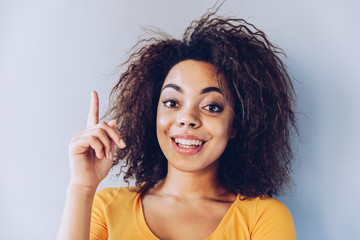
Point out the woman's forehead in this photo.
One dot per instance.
(194, 75)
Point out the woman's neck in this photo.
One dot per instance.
(190, 185)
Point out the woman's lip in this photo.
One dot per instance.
(187, 151)
(188, 137)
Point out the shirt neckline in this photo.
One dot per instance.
(151, 236)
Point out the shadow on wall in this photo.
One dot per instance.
(308, 222)
(324, 200)
(302, 199)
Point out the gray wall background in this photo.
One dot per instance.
(53, 53)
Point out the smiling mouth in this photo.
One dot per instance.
(186, 143)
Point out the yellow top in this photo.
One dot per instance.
(118, 214)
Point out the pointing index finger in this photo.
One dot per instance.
(93, 117)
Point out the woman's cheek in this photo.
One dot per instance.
(161, 119)
(162, 122)
(220, 129)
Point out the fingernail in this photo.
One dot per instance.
(111, 155)
(122, 143)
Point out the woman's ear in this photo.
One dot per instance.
(233, 133)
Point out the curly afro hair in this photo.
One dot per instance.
(257, 162)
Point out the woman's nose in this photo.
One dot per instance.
(188, 117)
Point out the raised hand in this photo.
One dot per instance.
(91, 151)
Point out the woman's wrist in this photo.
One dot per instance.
(83, 190)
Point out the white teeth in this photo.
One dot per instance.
(186, 143)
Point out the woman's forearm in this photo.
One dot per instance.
(75, 223)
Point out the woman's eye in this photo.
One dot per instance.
(170, 103)
(213, 108)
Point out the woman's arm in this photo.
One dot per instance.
(75, 223)
(91, 157)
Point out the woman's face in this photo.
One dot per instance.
(194, 118)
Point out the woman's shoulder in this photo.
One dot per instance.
(261, 204)
(115, 212)
(118, 195)
(266, 214)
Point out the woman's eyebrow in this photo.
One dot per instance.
(211, 89)
(203, 91)
(174, 86)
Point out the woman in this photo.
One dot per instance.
(207, 123)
